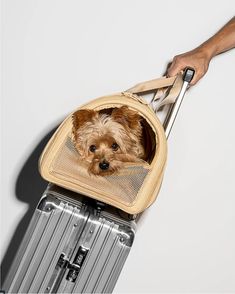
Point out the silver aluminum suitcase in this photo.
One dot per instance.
(72, 245)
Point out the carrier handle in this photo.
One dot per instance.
(149, 86)
(166, 90)
(169, 96)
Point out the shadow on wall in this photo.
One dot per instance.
(29, 189)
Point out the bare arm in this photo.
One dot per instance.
(200, 57)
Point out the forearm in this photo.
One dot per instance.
(222, 41)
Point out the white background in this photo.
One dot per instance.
(60, 54)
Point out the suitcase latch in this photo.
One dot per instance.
(75, 267)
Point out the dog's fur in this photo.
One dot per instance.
(106, 141)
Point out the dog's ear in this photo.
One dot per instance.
(127, 117)
(80, 117)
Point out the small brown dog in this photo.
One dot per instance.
(106, 141)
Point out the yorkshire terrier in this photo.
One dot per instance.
(107, 140)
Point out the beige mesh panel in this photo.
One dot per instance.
(123, 186)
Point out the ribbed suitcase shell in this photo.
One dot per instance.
(70, 247)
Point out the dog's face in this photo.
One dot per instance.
(106, 141)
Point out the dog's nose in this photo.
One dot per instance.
(104, 165)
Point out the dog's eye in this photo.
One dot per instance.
(92, 148)
(115, 146)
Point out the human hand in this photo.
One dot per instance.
(198, 59)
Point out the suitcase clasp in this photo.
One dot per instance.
(75, 267)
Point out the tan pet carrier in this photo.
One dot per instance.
(136, 185)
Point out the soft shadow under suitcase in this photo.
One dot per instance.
(75, 244)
